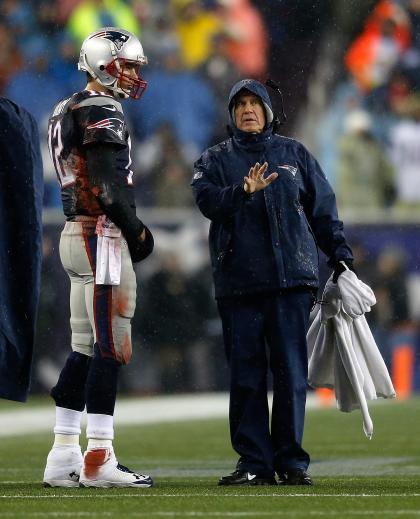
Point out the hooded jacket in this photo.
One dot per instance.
(267, 241)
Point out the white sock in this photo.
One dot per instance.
(67, 421)
(100, 427)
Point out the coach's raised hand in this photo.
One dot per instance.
(255, 180)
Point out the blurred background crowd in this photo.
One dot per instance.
(350, 74)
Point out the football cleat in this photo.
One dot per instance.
(241, 477)
(295, 477)
(63, 466)
(101, 469)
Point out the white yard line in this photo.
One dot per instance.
(277, 513)
(146, 494)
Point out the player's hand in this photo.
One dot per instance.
(255, 180)
(140, 248)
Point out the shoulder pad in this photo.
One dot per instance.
(62, 107)
(98, 99)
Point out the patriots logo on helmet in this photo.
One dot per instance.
(118, 38)
(112, 124)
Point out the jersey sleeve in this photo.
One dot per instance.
(102, 122)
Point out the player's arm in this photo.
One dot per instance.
(109, 190)
(102, 124)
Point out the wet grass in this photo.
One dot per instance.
(354, 477)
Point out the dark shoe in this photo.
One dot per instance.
(295, 477)
(241, 477)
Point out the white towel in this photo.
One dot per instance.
(343, 356)
(108, 252)
(357, 297)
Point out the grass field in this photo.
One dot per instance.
(354, 477)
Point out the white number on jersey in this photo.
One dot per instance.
(55, 145)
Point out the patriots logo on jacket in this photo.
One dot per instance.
(292, 169)
(116, 37)
(112, 124)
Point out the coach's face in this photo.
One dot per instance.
(249, 113)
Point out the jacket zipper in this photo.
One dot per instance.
(271, 208)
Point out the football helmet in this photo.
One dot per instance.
(107, 53)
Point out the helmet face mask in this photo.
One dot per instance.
(132, 87)
(110, 55)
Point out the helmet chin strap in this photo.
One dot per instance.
(117, 91)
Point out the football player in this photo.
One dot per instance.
(102, 238)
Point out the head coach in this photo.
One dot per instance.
(270, 207)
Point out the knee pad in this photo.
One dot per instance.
(121, 322)
(122, 348)
(121, 328)
(81, 336)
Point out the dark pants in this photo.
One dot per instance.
(280, 322)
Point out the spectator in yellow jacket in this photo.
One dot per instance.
(90, 15)
(196, 29)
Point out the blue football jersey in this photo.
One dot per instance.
(86, 118)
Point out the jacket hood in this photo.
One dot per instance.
(257, 88)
